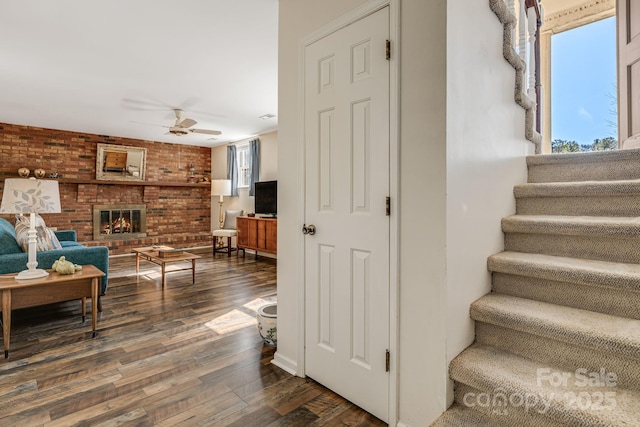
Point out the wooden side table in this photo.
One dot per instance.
(53, 288)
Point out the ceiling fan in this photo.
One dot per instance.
(183, 126)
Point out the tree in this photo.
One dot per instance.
(564, 146)
(608, 143)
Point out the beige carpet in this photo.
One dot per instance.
(558, 338)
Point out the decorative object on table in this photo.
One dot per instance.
(63, 266)
(169, 252)
(23, 172)
(39, 173)
(30, 196)
(54, 175)
(221, 188)
(267, 318)
(251, 214)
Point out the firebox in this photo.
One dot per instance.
(119, 221)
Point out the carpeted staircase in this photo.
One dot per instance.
(558, 338)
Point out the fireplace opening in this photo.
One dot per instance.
(119, 221)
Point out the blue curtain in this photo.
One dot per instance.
(232, 169)
(254, 154)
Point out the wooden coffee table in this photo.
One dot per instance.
(151, 254)
(50, 289)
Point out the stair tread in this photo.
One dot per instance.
(626, 227)
(583, 157)
(460, 415)
(578, 189)
(492, 371)
(575, 326)
(575, 270)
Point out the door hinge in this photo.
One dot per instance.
(388, 206)
(387, 361)
(388, 50)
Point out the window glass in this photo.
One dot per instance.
(244, 166)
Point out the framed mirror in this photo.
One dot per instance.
(120, 163)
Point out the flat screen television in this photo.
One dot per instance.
(266, 197)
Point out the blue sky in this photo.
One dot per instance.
(583, 75)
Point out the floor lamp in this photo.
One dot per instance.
(30, 196)
(221, 188)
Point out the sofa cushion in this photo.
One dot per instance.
(8, 243)
(46, 239)
(69, 244)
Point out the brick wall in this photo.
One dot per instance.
(178, 216)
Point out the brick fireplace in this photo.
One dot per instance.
(178, 213)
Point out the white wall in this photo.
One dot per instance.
(423, 371)
(461, 151)
(485, 158)
(268, 172)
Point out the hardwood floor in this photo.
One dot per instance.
(188, 355)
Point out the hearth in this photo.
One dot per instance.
(119, 222)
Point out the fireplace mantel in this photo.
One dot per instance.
(104, 182)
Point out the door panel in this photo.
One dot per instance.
(628, 17)
(346, 185)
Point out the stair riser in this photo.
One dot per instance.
(562, 273)
(591, 171)
(550, 403)
(608, 300)
(619, 206)
(570, 357)
(603, 248)
(503, 414)
(459, 415)
(559, 325)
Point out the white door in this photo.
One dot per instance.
(628, 16)
(346, 121)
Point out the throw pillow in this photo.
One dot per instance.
(46, 239)
(230, 219)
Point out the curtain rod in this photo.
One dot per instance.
(249, 139)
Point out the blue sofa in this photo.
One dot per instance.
(13, 260)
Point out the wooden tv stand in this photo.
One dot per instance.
(257, 234)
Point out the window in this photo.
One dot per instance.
(243, 157)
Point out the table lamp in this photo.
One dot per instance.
(30, 196)
(221, 187)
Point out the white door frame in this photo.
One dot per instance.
(394, 190)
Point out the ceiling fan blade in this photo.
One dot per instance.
(206, 131)
(186, 123)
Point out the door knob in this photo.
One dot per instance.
(309, 229)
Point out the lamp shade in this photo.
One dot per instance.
(221, 187)
(30, 196)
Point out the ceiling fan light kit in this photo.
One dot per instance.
(182, 126)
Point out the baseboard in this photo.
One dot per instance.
(285, 364)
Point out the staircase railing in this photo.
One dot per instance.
(522, 20)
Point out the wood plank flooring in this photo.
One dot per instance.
(188, 355)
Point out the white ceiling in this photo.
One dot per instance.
(119, 67)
